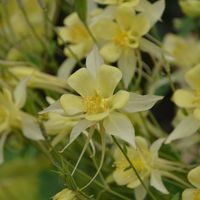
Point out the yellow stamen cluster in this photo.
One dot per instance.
(126, 39)
(136, 159)
(95, 104)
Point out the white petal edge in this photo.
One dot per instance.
(94, 61)
(184, 129)
(119, 125)
(138, 103)
(156, 181)
(54, 107)
(66, 68)
(77, 130)
(127, 64)
(20, 93)
(30, 127)
(156, 146)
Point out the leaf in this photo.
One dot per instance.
(176, 196)
(119, 125)
(81, 9)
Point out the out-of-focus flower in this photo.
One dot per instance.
(65, 194)
(97, 102)
(37, 79)
(189, 99)
(12, 117)
(130, 3)
(125, 31)
(59, 126)
(146, 161)
(20, 37)
(182, 51)
(76, 36)
(190, 7)
(194, 179)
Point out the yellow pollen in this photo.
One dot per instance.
(95, 104)
(127, 38)
(121, 38)
(197, 195)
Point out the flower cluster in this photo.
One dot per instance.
(106, 93)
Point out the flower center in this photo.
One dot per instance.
(95, 104)
(136, 159)
(127, 39)
(197, 195)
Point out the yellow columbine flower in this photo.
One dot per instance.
(97, 102)
(189, 99)
(76, 35)
(21, 34)
(190, 7)
(119, 2)
(194, 179)
(146, 161)
(124, 34)
(182, 51)
(12, 117)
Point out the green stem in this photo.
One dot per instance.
(134, 169)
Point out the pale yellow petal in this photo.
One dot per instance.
(82, 82)
(72, 104)
(125, 17)
(192, 77)
(96, 117)
(140, 25)
(111, 52)
(119, 100)
(189, 194)
(108, 78)
(72, 19)
(122, 177)
(80, 49)
(194, 177)
(184, 98)
(141, 143)
(111, 29)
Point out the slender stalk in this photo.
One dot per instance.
(21, 6)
